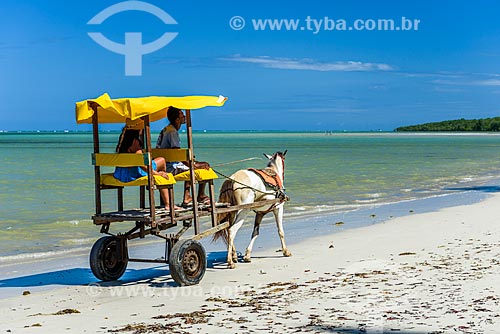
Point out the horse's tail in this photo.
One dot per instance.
(226, 195)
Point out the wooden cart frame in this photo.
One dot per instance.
(186, 256)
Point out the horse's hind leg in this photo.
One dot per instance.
(255, 234)
(278, 215)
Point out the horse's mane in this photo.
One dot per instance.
(272, 160)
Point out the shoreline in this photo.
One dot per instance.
(363, 215)
(421, 272)
(469, 192)
(15, 265)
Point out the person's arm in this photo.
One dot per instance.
(171, 140)
(198, 164)
(144, 168)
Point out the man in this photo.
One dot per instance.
(169, 138)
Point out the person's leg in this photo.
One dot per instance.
(166, 199)
(187, 195)
(202, 197)
(161, 165)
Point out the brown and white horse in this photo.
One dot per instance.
(244, 187)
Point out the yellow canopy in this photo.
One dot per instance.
(118, 110)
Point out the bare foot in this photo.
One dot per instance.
(167, 206)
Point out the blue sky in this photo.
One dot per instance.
(275, 80)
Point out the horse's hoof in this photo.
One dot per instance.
(247, 259)
(231, 266)
(287, 253)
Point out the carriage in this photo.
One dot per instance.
(185, 256)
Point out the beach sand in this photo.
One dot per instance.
(436, 272)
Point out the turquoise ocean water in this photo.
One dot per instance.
(47, 195)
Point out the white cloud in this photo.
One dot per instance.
(489, 82)
(447, 90)
(449, 82)
(472, 79)
(332, 110)
(310, 64)
(446, 75)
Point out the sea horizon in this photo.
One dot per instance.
(155, 130)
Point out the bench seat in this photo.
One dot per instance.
(201, 175)
(110, 180)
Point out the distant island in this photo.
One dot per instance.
(483, 124)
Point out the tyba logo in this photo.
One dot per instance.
(133, 49)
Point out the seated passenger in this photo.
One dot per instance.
(131, 142)
(169, 138)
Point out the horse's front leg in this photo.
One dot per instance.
(232, 256)
(278, 215)
(255, 234)
(235, 254)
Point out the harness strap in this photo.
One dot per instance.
(279, 192)
(269, 177)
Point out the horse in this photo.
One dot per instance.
(248, 186)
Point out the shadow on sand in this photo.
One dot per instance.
(157, 276)
(340, 330)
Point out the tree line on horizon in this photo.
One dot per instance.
(482, 124)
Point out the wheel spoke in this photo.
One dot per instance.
(191, 263)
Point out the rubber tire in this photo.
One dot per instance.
(187, 262)
(103, 259)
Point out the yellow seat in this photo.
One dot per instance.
(110, 180)
(181, 154)
(127, 160)
(199, 174)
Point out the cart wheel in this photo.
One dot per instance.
(105, 261)
(187, 262)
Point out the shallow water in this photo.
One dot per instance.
(46, 179)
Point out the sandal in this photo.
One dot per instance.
(186, 205)
(204, 200)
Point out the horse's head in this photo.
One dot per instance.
(277, 162)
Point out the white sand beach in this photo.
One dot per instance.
(436, 272)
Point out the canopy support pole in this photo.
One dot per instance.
(151, 183)
(191, 171)
(97, 169)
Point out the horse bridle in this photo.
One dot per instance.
(282, 156)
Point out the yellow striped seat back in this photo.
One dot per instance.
(119, 159)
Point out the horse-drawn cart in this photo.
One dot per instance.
(186, 257)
